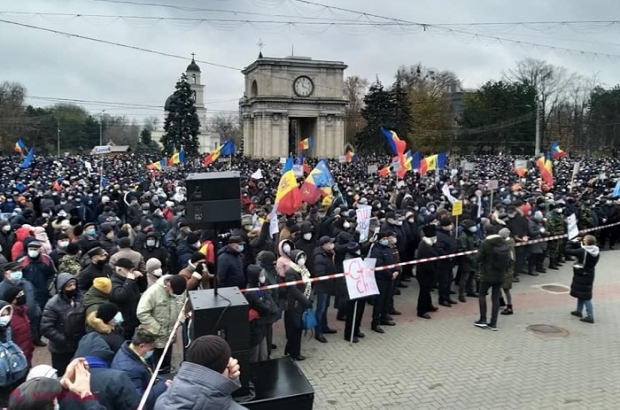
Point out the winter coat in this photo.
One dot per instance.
(485, 259)
(535, 231)
(507, 282)
(135, 257)
(97, 329)
(426, 273)
(40, 272)
(230, 268)
(17, 250)
(263, 304)
(445, 245)
(197, 387)
(158, 252)
(323, 265)
(129, 362)
(384, 256)
(296, 301)
(21, 333)
(467, 241)
(262, 242)
(92, 271)
(184, 254)
(113, 390)
(307, 246)
(7, 240)
(126, 295)
(583, 282)
(53, 319)
(158, 310)
(93, 298)
(282, 264)
(34, 310)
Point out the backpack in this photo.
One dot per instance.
(75, 322)
(501, 257)
(70, 264)
(13, 363)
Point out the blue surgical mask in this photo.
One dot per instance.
(4, 321)
(473, 229)
(384, 242)
(118, 319)
(148, 355)
(16, 276)
(240, 248)
(91, 232)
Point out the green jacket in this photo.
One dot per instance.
(158, 310)
(467, 242)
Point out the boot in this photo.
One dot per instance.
(462, 297)
(553, 264)
(507, 311)
(502, 302)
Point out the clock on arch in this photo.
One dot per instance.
(303, 86)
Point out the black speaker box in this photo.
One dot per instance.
(213, 200)
(224, 315)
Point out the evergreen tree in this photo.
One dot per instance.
(378, 112)
(182, 123)
(402, 118)
(146, 144)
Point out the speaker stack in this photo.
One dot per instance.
(213, 200)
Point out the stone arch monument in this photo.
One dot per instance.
(287, 100)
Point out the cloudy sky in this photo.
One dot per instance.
(135, 83)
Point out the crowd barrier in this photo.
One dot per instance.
(336, 276)
(417, 261)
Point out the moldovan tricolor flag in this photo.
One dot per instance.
(397, 145)
(432, 162)
(212, 157)
(305, 144)
(556, 151)
(546, 169)
(288, 196)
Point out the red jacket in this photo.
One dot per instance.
(20, 331)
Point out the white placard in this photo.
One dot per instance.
(360, 277)
(257, 175)
(573, 230)
(521, 164)
(576, 169)
(342, 159)
(372, 169)
(363, 213)
(469, 167)
(396, 165)
(454, 172)
(273, 223)
(283, 160)
(101, 149)
(88, 165)
(492, 184)
(298, 170)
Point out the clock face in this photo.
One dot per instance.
(303, 86)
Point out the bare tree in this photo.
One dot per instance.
(552, 84)
(355, 89)
(228, 126)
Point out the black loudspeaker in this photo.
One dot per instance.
(213, 200)
(225, 315)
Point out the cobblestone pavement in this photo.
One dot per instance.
(447, 363)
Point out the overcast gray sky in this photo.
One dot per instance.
(59, 66)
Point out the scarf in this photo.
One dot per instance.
(305, 275)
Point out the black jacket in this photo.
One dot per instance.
(160, 253)
(53, 319)
(322, 265)
(446, 245)
(85, 280)
(426, 272)
(583, 280)
(126, 295)
(485, 259)
(384, 256)
(296, 301)
(230, 268)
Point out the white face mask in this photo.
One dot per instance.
(307, 236)
(157, 272)
(346, 225)
(262, 279)
(6, 228)
(394, 240)
(286, 248)
(301, 261)
(33, 253)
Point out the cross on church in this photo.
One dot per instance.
(193, 55)
(260, 45)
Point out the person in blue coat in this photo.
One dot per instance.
(230, 264)
(133, 359)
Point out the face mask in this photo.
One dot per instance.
(70, 293)
(4, 321)
(346, 225)
(301, 261)
(378, 206)
(307, 236)
(33, 253)
(330, 247)
(286, 248)
(431, 210)
(6, 228)
(20, 301)
(410, 220)
(384, 242)
(473, 229)
(157, 272)
(91, 232)
(63, 244)
(150, 244)
(101, 262)
(145, 212)
(262, 279)
(321, 216)
(608, 202)
(197, 245)
(148, 355)
(394, 240)
(248, 227)
(118, 319)
(16, 276)
(240, 248)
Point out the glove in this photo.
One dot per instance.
(200, 268)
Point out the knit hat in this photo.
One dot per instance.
(211, 352)
(11, 293)
(504, 233)
(178, 284)
(430, 231)
(107, 311)
(192, 238)
(353, 247)
(103, 284)
(267, 257)
(124, 263)
(42, 370)
(152, 264)
(105, 228)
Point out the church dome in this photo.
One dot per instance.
(167, 103)
(193, 66)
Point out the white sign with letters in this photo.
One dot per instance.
(573, 230)
(360, 277)
(363, 213)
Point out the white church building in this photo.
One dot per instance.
(208, 141)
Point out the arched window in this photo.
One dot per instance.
(193, 78)
(254, 90)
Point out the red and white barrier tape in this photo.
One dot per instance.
(416, 261)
